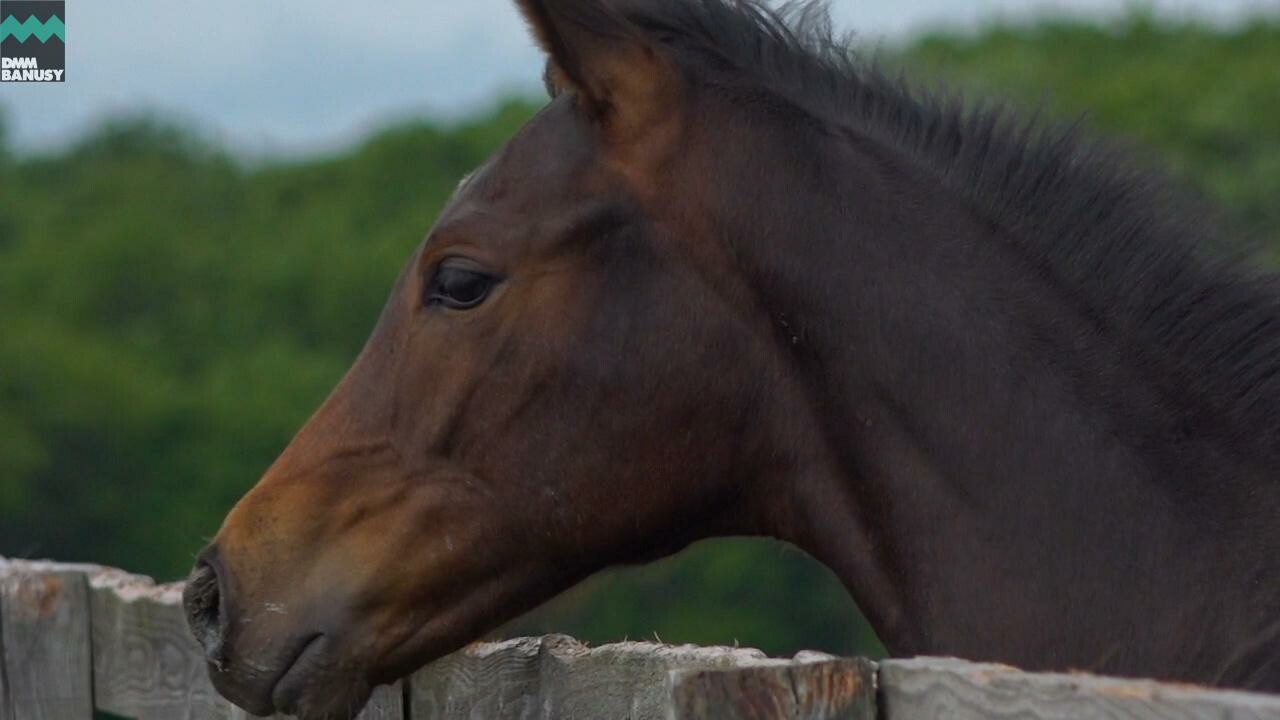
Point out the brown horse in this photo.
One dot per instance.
(732, 281)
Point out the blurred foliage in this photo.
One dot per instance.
(171, 314)
(1205, 104)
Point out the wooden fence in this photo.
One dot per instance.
(76, 639)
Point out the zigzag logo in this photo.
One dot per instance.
(41, 30)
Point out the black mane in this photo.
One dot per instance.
(1138, 252)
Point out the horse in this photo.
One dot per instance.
(1016, 391)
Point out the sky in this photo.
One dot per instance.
(296, 76)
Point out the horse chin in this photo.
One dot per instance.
(322, 697)
(314, 685)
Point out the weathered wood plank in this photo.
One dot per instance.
(120, 654)
(628, 680)
(558, 677)
(63, 626)
(44, 640)
(483, 681)
(958, 690)
(148, 666)
(6, 705)
(817, 688)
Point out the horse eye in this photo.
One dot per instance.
(459, 288)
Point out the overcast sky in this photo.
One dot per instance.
(296, 75)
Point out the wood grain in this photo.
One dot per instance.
(148, 666)
(820, 689)
(629, 679)
(387, 703)
(958, 690)
(67, 631)
(558, 677)
(6, 705)
(145, 664)
(484, 681)
(44, 637)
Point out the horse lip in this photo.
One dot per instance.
(259, 699)
(284, 697)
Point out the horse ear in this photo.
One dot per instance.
(622, 79)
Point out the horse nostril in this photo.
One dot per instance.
(202, 599)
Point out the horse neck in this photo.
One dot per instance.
(996, 479)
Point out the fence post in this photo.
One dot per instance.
(46, 670)
(927, 688)
(75, 638)
(825, 689)
(146, 665)
(558, 677)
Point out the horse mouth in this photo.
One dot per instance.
(292, 683)
(300, 684)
